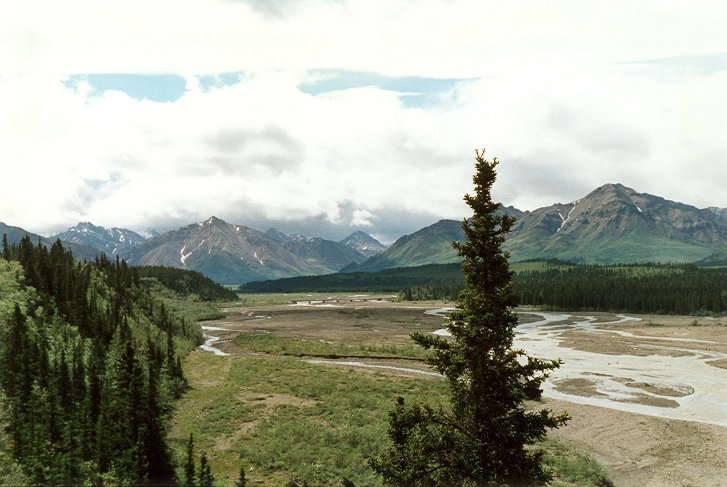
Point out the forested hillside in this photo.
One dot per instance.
(387, 280)
(186, 283)
(89, 368)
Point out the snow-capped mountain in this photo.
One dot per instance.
(335, 255)
(112, 241)
(363, 243)
(233, 254)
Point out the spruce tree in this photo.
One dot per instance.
(483, 436)
(189, 474)
(6, 248)
(241, 481)
(204, 476)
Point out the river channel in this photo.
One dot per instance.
(669, 377)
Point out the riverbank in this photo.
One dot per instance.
(645, 392)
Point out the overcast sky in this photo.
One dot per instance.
(328, 116)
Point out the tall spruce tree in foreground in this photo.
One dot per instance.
(484, 436)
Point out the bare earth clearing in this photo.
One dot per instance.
(647, 394)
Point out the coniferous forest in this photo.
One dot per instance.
(682, 289)
(89, 369)
(186, 283)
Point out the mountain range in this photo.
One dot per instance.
(232, 254)
(108, 240)
(15, 234)
(612, 224)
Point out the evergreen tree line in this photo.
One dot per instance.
(187, 283)
(424, 293)
(637, 288)
(88, 369)
(387, 280)
(657, 288)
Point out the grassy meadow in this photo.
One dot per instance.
(268, 343)
(283, 419)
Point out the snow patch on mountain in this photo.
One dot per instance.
(565, 220)
(184, 256)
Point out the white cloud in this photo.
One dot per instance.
(569, 95)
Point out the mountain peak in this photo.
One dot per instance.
(85, 227)
(616, 189)
(213, 220)
(363, 243)
(614, 223)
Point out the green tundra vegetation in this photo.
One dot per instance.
(290, 422)
(267, 343)
(90, 367)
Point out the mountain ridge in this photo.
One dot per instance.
(334, 255)
(430, 245)
(109, 240)
(234, 254)
(363, 243)
(616, 224)
(15, 234)
(612, 224)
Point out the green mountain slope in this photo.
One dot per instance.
(615, 224)
(385, 280)
(430, 245)
(611, 225)
(716, 259)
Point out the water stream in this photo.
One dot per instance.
(674, 381)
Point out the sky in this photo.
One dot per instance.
(324, 117)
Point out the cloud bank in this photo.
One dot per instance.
(326, 117)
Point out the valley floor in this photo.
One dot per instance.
(646, 393)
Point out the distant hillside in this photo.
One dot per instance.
(363, 243)
(186, 283)
(611, 225)
(430, 245)
(226, 253)
(718, 258)
(615, 224)
(15, 234)
(721, 212)
(386, 280)
(332, 255)
(112, 241)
